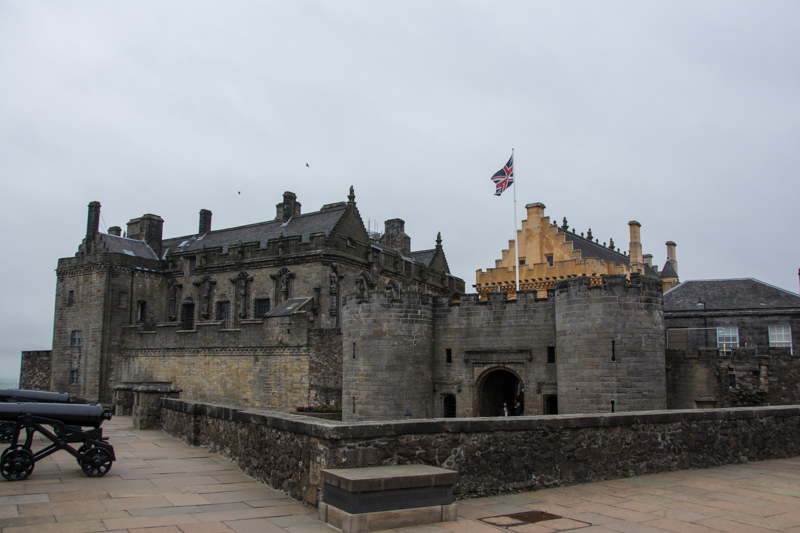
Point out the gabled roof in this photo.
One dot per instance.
(123, 245)
(717, 294)
(423, 256)
(302, 226)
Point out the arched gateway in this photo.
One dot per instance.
(495, 387)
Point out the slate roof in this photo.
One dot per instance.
(423, 256)
(592, 249)
(718, 294)
(123, 245)
(301, 225)
(668, 271)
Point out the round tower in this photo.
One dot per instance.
(610, 343)
(387, 367)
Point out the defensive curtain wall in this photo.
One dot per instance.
(596, 348)
(491, 455)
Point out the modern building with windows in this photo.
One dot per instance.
(731, 342)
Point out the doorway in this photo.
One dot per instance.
(499, 386)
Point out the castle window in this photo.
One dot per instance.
(261, 307)
(192, 265)
(551, 354)
(123, 300)
(521, 261)
(75, 338)
(187, 316)
(224, 314)
(449, 406)
(549, 258)
(73, 377)
(780, 337)
(448, 353)
(727, 339)
(70, 298)
(141, 310)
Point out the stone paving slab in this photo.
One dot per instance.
(160, 485)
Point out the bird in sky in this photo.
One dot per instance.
(240, 192)
(307, 165)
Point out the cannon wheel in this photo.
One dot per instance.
(16, 463)
(95, 462)
(7, 430)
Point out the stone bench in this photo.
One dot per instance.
(358, 500)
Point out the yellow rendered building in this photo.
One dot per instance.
(549, 253)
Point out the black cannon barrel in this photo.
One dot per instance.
(68, 413)
(22, 395)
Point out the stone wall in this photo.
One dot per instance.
(610, 345)
(484, 338)
(34, 372)
(264, 363)
(743, 378)
(492, 455)
(387, 363)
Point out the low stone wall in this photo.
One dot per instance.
(491, 455)
(34, 372)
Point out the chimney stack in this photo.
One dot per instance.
(289, 208)
(671, 257)
(205, 222)
(115, 230)
(147, 228)
(635, 247)
(92, 225)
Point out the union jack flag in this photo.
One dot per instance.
(504, 178)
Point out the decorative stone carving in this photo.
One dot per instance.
(205, 298)
(244, 277)
(283, 280)
(174, 290)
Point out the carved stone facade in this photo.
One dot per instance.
(246, 315)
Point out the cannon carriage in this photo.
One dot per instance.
(63, 425)
(27, 396)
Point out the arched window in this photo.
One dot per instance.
(449, 406)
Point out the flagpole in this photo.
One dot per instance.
(516, 240)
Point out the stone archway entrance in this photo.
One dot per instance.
(497, 387)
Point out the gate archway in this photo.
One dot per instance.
(496, 387)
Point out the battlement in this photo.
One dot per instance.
(616, 285)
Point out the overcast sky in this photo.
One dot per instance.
(683, 115)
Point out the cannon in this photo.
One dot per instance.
(29, 396)
(63, 425)
(22, 395)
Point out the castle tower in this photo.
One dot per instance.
(387, 369)
(610, 345)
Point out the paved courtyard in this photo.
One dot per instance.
(160, 485)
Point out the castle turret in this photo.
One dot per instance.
(390, 340)
(611, 345)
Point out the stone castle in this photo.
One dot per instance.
(311, 309)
